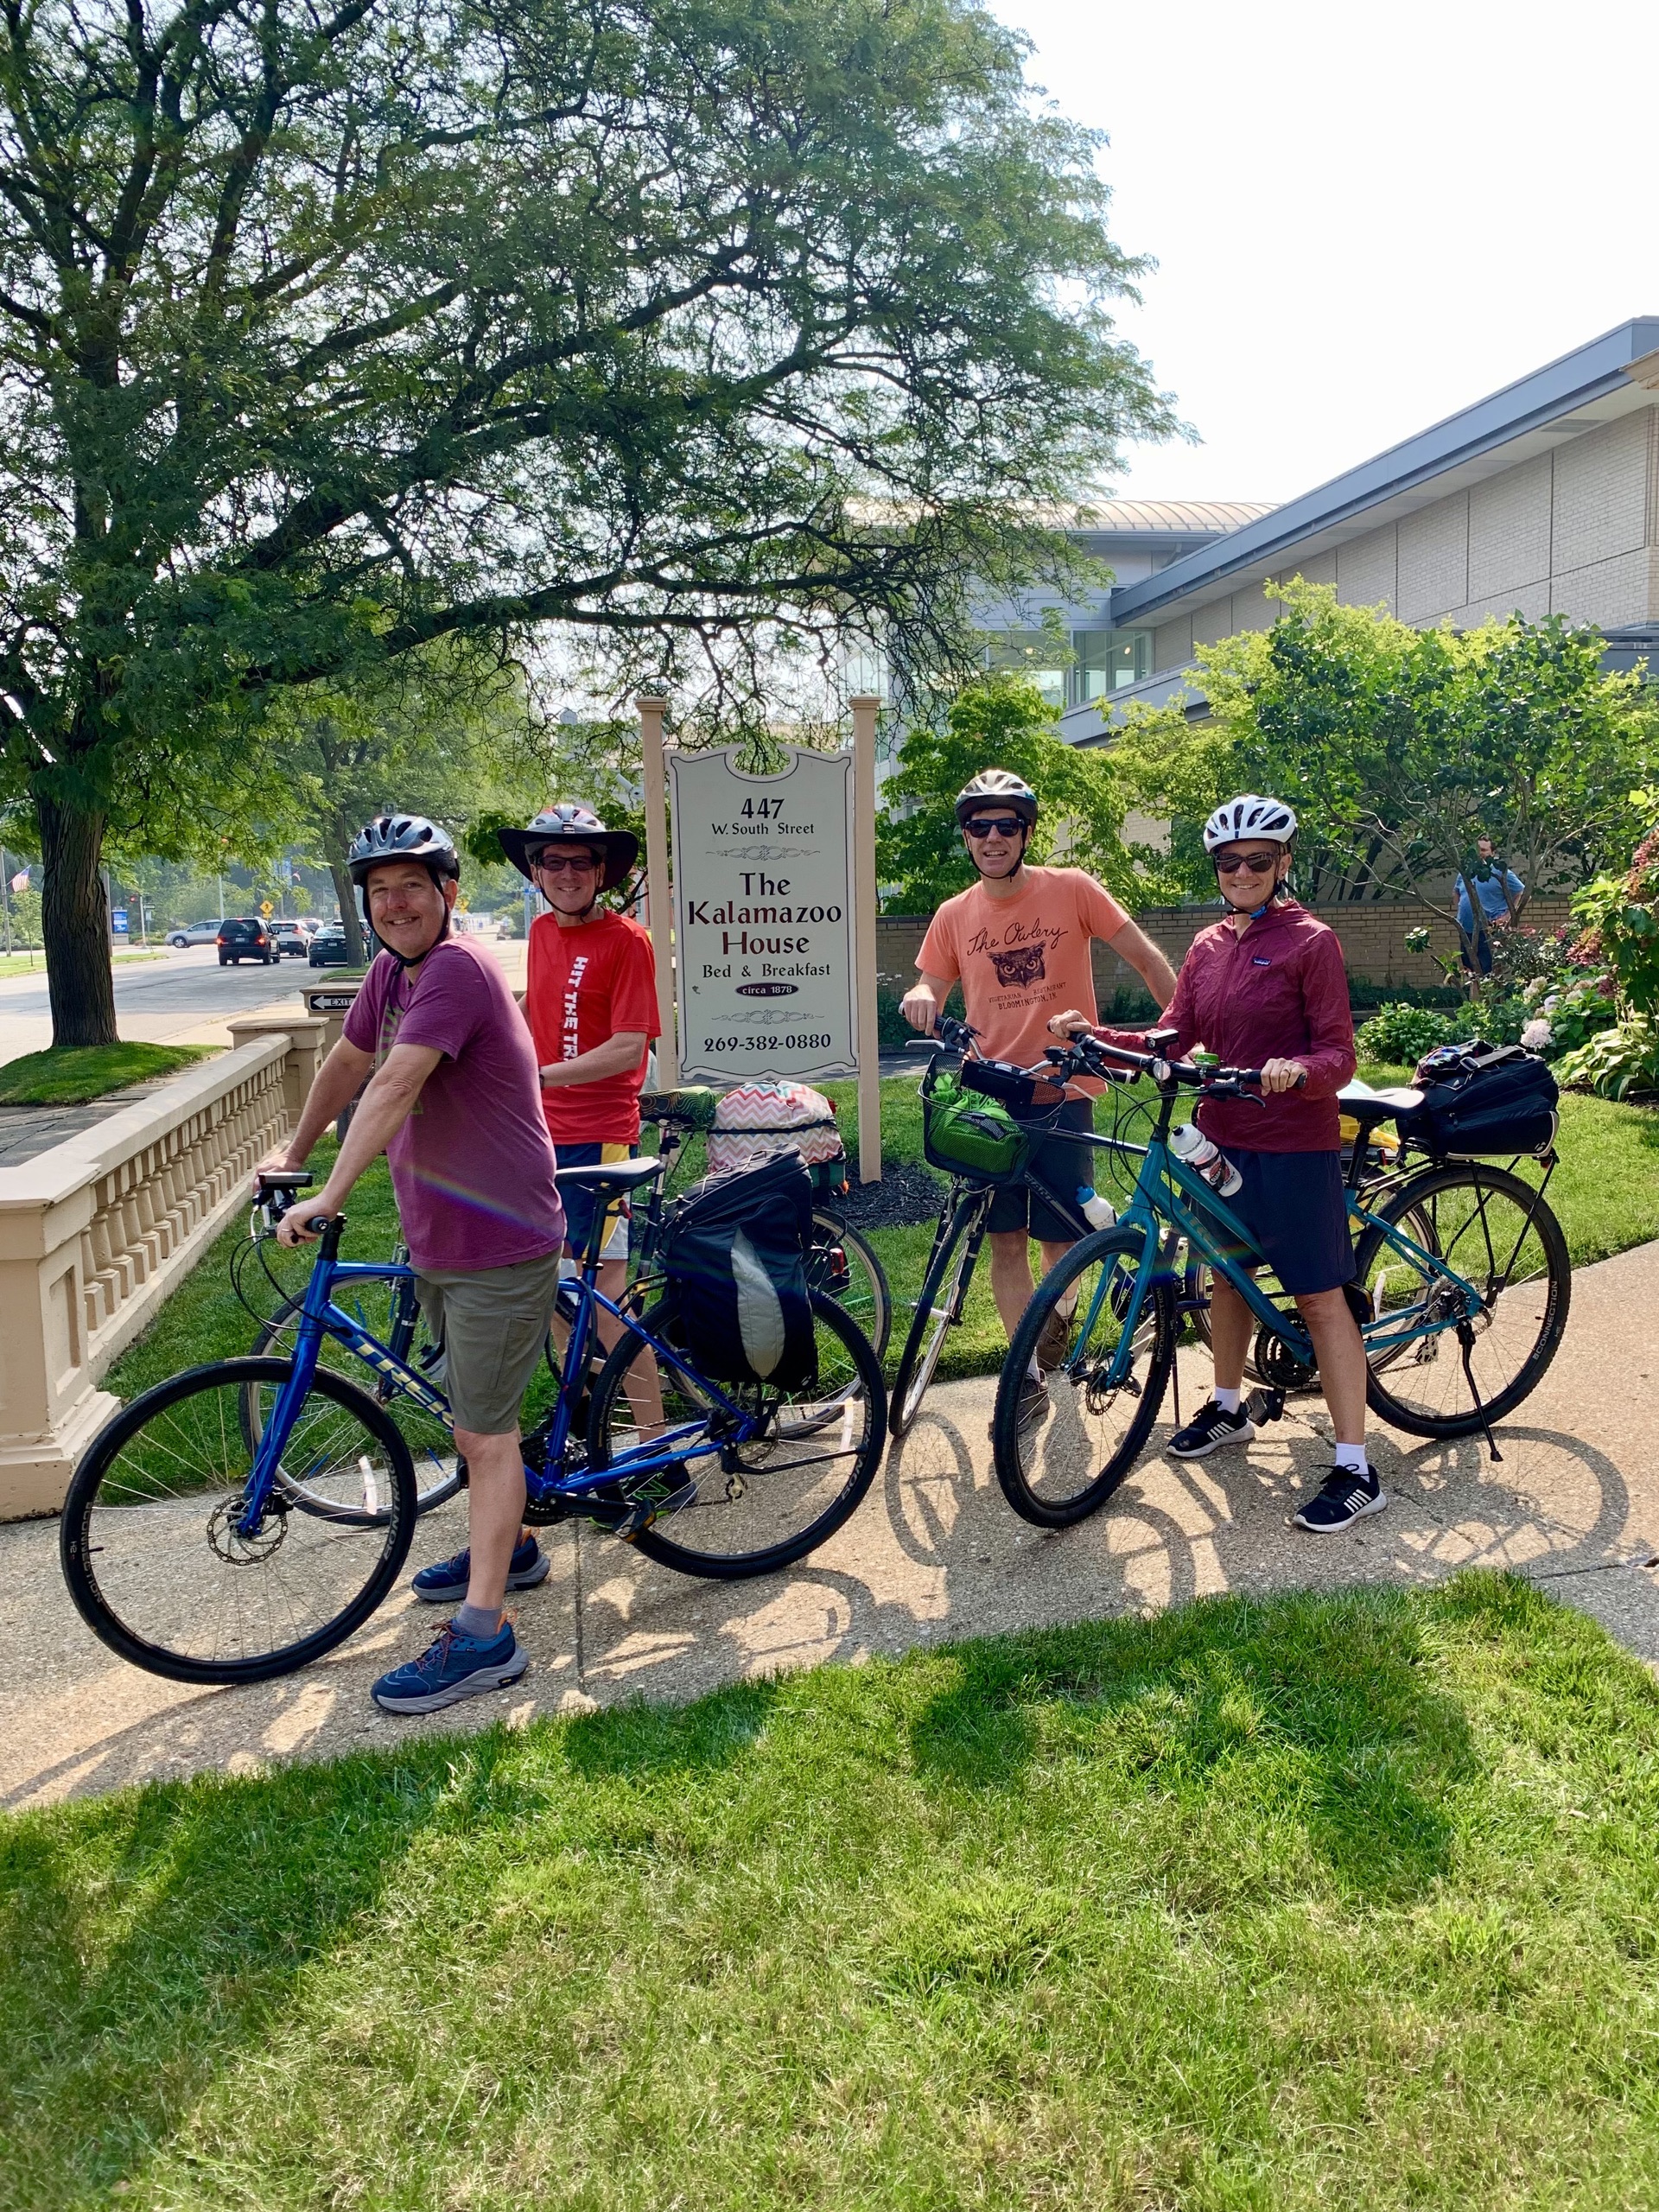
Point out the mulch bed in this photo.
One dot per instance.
(907, 1193)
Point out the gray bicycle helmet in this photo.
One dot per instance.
(997, 787)
(401, 837)
(1249, 816)
(569, 822)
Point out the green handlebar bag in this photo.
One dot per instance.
(965, 1133)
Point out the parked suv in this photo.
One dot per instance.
(196, 933)
(246, 937)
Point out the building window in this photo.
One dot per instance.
(1105, 661)
(1033, 652)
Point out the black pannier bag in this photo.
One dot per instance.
(735, 1256)
(1482, 1102)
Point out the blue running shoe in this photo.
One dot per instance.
(444, 1583)
(452, 1668)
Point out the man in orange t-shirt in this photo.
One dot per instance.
(1019, 941)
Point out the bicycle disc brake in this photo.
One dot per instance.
(226, 1538)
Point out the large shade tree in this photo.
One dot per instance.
(326, 332)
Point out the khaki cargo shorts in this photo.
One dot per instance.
(492, 1323)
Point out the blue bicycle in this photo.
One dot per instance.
(241, 1519)
(1461, 1287)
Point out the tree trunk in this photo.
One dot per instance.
(345, 891)
(75, 924)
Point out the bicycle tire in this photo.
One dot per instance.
(938, 1306)
(1538, 1303)
(1107, 1247)
(868, 1299)
(448, 1469)
(656, 1544)
(78, 1550)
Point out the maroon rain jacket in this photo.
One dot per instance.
(1278, 991)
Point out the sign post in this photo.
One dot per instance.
(659, 909)
(865, 708)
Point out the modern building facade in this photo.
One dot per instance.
(1543, 497)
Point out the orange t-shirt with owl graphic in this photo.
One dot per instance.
(1021, 960)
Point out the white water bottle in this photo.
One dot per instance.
(1098, 1213)
(1195, 1150)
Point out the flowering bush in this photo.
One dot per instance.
(1621, 914)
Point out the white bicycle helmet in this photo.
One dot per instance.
(994, 787)
(1249, 816)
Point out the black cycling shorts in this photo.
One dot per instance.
(1067, 1166)
(1295, 1205)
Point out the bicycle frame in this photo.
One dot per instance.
(321, 1317)
(1170, 1196)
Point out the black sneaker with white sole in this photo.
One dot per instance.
(1346, 1498)
(1208, 1430)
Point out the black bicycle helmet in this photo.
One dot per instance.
(997, 787)
(401, 837)
(570, 822)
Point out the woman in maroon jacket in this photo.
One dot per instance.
(1265, 987)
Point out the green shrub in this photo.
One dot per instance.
(1617, 1061)
(1402, 1034)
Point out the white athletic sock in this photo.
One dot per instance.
(1350, 1458)
(1227, 1400)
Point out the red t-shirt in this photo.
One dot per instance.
(584, 985)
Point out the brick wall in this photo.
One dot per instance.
(1373, 943)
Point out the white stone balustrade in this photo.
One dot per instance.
(96, 1232)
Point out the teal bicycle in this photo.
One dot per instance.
(1461, 1287)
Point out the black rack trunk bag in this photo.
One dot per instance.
(735, 1256)
(1482, 1102)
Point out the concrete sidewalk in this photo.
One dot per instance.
(933, 1553)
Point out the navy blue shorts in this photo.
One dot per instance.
(1294, 1205)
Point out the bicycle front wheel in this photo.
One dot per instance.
(1066, 1463)
(389, 1313)
(162, 1571)
(945, 1289)
(761, 1504)
(1494, 1230)
(840, 1264)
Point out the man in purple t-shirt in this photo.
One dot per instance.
(456, 1105)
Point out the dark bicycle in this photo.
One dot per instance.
(210, 1547)
(978, 1170)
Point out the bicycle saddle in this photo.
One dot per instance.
(616, 1175)
(1369, 1107)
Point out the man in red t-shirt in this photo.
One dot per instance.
(590, 999)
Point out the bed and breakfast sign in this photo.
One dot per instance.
(763, 916)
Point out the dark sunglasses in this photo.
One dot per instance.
(1248, 864)
(999, 825)
(557, 863)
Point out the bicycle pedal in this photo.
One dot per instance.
(1263, 1406)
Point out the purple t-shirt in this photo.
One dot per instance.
(472, 1166)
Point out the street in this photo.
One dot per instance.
(184, 998)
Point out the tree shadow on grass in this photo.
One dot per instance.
(146, 1941)
(1323, 1710)
(642, 1741)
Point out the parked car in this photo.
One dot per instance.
(196, 933)
(245, 936)
(295, 937)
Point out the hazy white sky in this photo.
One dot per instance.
(1364, 217)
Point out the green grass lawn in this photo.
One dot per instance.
(73, 1074)
(1313, 1902)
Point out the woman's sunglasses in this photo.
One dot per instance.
(1248, 864)
(1000, 825)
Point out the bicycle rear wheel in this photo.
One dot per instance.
(840, 1264)
(150, 1548)
(1069, 1462)
(439, 1470)
(1492, 1229)
(945, 1288)
(763, 1503)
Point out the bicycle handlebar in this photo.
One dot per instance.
(1085, 1052)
